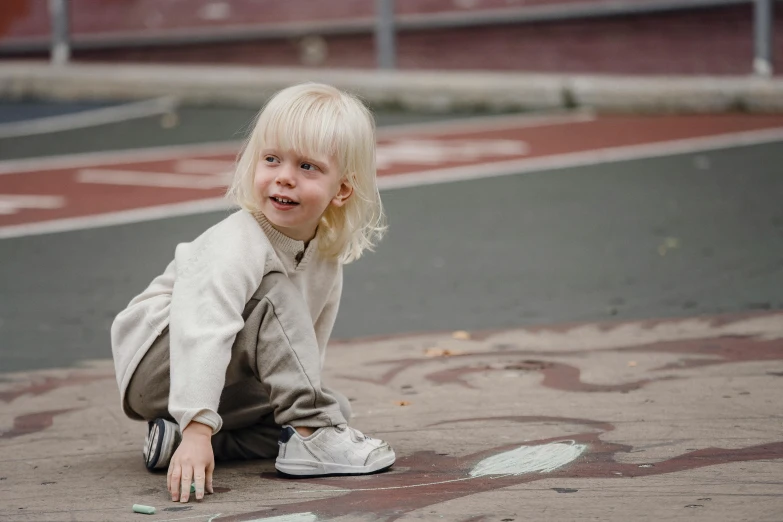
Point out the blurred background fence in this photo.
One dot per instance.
(684, 37)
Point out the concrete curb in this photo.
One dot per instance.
(427, 91)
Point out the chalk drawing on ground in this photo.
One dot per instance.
(529, 459)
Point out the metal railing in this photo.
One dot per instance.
(61, 41)
(763, 31)
(386, 25)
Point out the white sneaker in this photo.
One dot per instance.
(331, 450)
(162, 439)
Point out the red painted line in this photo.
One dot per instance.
(522, 142)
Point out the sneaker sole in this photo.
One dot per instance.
(311, 469)
(159, 456)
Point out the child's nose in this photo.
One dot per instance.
(286, 176)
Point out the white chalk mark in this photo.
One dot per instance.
(529, 459)
(295, 517)
(525, 459)
(211, 517)
(90, 118)
(152, 179)
(12, 203)
(386, 489)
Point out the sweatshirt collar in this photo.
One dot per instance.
(283, 243)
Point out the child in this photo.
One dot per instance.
(229, 342)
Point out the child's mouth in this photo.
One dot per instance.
(281, 202)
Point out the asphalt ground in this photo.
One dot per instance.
(672, 236)
(593, 378)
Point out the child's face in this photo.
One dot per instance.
(294, 191)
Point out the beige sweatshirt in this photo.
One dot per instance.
(200, 297)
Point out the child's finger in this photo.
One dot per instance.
(198, 481)
(210, 469)
(187, 478)
(176, 473)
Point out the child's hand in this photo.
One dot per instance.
(193, 461)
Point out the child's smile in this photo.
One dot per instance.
(282, 203)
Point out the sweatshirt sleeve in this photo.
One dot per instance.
(325, 322)
(214, 282)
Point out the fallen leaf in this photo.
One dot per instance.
(669, 243)
(440, 352)
(169, 120)
(402, 403)
(462, 335)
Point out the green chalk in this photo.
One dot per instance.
(193, 488)
(147, 510)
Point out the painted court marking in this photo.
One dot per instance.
(229, 149)
(89, 118)
(102, 189)
(584, 159)
(153, 179)
(12, 203)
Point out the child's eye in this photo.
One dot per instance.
(309, 166)
(270, 159)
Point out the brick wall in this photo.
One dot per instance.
(715, 41)
(30, 18)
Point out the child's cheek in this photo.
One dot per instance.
(259, 182)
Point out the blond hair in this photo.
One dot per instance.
(319, 120)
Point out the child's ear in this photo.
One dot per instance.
(343, 194)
